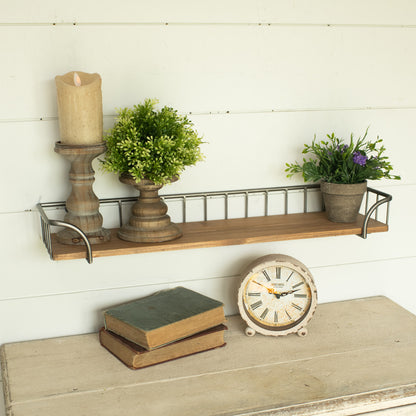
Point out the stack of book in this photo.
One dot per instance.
(164, 326)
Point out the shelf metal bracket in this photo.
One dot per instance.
(369, 211)
(46, 223)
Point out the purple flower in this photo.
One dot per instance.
(343, 149)
(359, 159)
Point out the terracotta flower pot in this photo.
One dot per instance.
(148, 222)
(342, 201)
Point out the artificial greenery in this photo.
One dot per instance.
(337, 162)
(147, 143)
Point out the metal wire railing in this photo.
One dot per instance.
(247, 195)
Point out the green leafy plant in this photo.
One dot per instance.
(147, 143)
(338, 162)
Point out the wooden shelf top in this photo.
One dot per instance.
(346, 365)
(217, 233)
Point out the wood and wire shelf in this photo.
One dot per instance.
(267, 227)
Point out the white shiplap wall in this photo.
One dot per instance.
(258, 77)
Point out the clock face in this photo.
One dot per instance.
(277, 295)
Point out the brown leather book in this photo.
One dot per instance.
(135, 356)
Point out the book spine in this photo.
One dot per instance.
(112, 344)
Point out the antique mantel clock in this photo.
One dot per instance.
(277, 296)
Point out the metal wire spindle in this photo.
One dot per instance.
(46, 223)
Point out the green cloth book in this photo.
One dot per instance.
(164, 317)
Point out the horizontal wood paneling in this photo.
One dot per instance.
(304, 11)
(38, 317)
(229, 163)
(256, 92)
(211, 68)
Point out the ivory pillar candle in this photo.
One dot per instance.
(80, 108)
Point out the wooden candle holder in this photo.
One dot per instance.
(82, 204)
(148, 222)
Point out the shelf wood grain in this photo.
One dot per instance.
(346, 365)
(217, 233)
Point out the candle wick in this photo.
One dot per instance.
(77, 80)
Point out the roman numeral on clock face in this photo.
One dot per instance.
(300, 295)
(264, 313)
(254, 294)
(266, 275)
(256, 305)
(297, 285)
(278, 272)
(296, 306)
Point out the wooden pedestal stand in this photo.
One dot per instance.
(82, 204)
(148, 222)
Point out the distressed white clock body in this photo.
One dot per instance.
(277, 296)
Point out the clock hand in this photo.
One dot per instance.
(275, 292)
(288, 292)
(269, 289)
